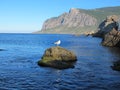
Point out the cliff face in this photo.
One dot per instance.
(75, 18)
(107, 25)
(78, 21)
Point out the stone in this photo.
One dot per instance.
(2, 50)
(116, 66)
(107, 25)
(112, 38)
(58, 57)
(89, 33)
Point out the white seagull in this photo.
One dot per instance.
(57, 42)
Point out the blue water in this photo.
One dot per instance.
(19, 69)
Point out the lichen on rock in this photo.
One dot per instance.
(58, 57)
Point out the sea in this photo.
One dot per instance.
(19, 54)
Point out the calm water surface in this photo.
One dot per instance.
(19, 69)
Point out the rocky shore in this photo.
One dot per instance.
(110, 34)
(109, 31)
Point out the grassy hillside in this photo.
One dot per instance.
(101, 13)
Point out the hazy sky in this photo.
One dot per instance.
(29, 15)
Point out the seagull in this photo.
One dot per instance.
(57, 42)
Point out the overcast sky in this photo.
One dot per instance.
(26, 16)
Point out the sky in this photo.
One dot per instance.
(26, 16)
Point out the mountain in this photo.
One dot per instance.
(78, 20)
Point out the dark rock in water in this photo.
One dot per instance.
(1, 49)
(112, 38)
(58, 57)
(107, 25)
(116, 66)
(109, 31)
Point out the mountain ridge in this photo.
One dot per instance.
(78, 20)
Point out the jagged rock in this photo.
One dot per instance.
(89, 33)
(112, 38)
(107, 25)
(75, 18)
(109, 31)
(58, 57)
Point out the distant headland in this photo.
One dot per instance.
(78, 21)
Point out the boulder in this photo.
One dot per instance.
(58, 57)
(89, 33)
(112, 38)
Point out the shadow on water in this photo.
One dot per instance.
(115, 50)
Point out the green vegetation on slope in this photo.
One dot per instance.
(101, 13)
(70, 30)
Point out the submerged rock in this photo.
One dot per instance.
(116, 66)
(58, 57)
(1, 49)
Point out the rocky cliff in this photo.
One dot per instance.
(75, 18)
(107, 25)
(109, 31)
(78, 21)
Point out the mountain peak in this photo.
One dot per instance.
(74, 10)
(74, 18)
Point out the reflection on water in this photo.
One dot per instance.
(19, 69)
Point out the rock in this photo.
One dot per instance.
(116, 66)
(58, 57)
(109, 31)
(107, 25)
(112, 38)
(89, 33)
(1, 49)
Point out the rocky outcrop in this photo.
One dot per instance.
(75, 18)
(58, 57)
(89, 33)
(112, 38)
(107, 25)
(109, 31)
